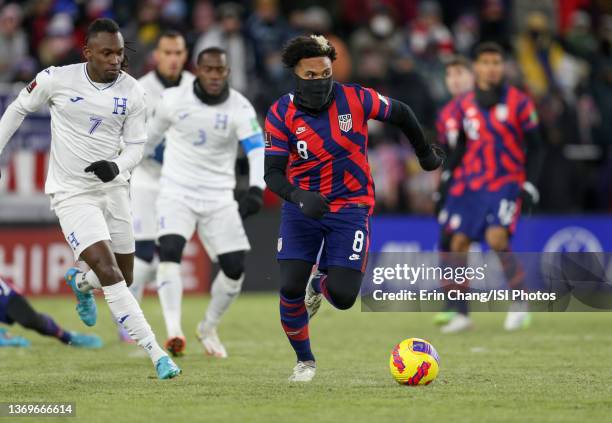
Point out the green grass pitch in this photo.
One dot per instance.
(558, 370)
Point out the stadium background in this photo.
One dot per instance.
(560, 51)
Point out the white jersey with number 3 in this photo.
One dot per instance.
(88, 122)
(201, 139)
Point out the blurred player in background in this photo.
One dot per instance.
(170, 56)
(95, 105)
(203, 124)
(316, 160)
(459, 80)
(15, 308)
(497, 171)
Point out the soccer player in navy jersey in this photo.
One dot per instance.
(316, 160)
(497, 171)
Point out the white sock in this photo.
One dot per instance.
(128, 313)
(222, 294)
(88, 281)
(170, 291)
(144, 272)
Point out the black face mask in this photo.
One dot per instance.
(208, 98)
(492, 96)
(313, 95)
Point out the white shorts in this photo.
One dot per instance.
(97, 216)
(216, 219)
(144, 190)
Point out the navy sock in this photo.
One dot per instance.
(50, 328)
(294, 319)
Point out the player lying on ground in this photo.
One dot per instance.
(170, 56)
(95, 105)
(499, 158)
(15, 308)
(316, 160)
(203, 124)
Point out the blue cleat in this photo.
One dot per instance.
(86, 303)
(84, 340)
(7, 340)
(166, 368)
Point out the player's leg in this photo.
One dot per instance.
(7, 340)
(299, 242)
(144, 190)
(444, 241)
(177, 223)
(170, 289)
(20, 311)
(221, 231)
(505, 211)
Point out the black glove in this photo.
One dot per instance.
(312, 204)
(433, 159)
(251, 203)
(106, 171)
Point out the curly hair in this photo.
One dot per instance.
(304, 47)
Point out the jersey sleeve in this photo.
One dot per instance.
(375, 105)
(157, 124)
(448, 125)
(276, 133)
(527, 115)
(134, 127)
(38, 92)
(248, 130)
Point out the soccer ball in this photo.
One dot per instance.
(413, 362)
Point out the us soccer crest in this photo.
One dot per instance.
(345, 122)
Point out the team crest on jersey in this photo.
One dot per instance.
(501, 112)
(31, 86)
(345, 122)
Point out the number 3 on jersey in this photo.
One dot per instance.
(302, 149)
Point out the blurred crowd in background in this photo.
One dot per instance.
(560, 51)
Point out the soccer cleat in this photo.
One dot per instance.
(303, 371)
(84, 340)
(210, 341)
(444, 317)
(312, 300)
(176, 345)
(459, 323)
(7, 340)
(86, 303)
(166, 368)
(518, 317)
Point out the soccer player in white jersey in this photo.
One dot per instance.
(170, 56)
(94, 105)
(203, 124)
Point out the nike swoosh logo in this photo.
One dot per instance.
(183, 116)
(75, 99)
(123, 318)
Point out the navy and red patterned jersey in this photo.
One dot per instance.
(495, 150)
(328, 152)
(447, 126)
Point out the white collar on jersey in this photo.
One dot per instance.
(100, 86)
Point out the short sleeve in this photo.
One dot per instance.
(38, 92)
(246, 122)
(527, 114)
(375, 105)
(134, 127)
(276, 133)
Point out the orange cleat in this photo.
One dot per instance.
(176, 346)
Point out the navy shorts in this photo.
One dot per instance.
(472, 212)
(344, 235)
(6, 293)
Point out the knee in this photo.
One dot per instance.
(459, 243)
(171, 248)
(145, 250)
(108, 272)
(343, 301)
(232, 264)
(497, 239)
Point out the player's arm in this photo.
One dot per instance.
(312, 204)
(159, 122)
(30, 99)
(528, 119)
(134, 138)
(395, 112)
(251, 138)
